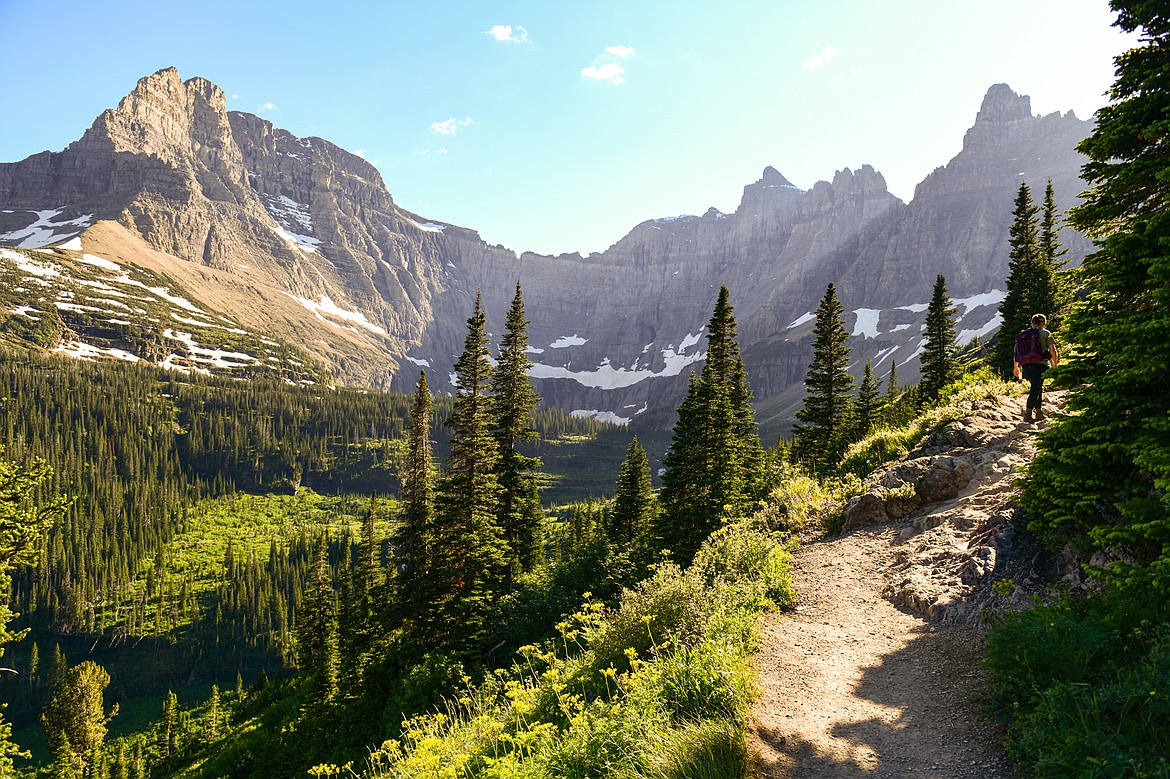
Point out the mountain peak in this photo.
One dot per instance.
(1002, 104)
(773, 177)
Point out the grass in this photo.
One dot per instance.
(658, 687)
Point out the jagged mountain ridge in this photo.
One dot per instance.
(303, 239)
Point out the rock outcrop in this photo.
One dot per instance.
(950, 502)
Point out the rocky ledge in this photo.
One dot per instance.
(951, 505)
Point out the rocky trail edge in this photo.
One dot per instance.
(877, 670)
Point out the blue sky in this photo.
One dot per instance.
(557, 127)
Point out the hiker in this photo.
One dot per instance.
(1035, 351)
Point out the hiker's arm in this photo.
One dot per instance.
(1055, 357)
(1015, 369)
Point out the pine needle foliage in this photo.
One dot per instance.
(713, 465)
(829, 386)
(466, 549)
(414, 534)
(1102, 475)
(1034, 283)
(633, 503)
(939, 364)
(513, 406)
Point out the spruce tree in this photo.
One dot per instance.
(168, 726)
(1033, 286)
(317, 650)
(21, 526)
(1051, 258)
(828, 386)
(417, 499)
(939, 364)
(868, 408)
(633, 504)
(1101, 477)
(513, 406)
(75, 719)
(466, 549)
(713, 466)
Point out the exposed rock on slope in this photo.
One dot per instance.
(877, 669)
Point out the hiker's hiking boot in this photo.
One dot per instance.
(1028, 414)
(1040, 415)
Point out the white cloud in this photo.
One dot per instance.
(611, 71)
(604, 68)
(821, 58)
(268, 106)
(449, 126)
(360, 153)
(505, 33)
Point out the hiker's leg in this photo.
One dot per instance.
(1034, 373)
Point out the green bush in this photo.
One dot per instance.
(1083, 685)
(670, 608)
(755, 559)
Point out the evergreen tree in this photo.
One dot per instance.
(633, 504)
(21, 526)
(417, 499)
(467, 554)
(213, 716)
(1101, 477)
(713, 466)
(1033, 285)
(75, 720)
(317, 651)
(513, 405)
(868, 407)
(168, 726)
(828, 386)
(1050, 257)
(939, 364)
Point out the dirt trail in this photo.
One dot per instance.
(855, 686)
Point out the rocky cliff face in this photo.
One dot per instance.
(614, 334)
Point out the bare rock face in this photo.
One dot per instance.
(951, 504)
(614, 334)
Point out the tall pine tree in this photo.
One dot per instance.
(1051, 258)
(868, 410)
(317, 649)
(633, 503)
(818, 440)
(1101, 477)
(466, 549)
(939, 364)
(513, 407)
(415, 528)
(75, 720)
(1034, 283)
(713, 464)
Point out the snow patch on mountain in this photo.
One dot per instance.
(567, 341)
(80, 350)
(600, 416)
(326, 307)
(101, 262)
(867, 322)
(44, 231)
(800, 320)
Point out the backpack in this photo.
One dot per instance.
(1028, 347)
